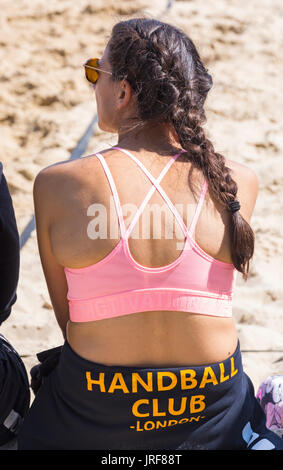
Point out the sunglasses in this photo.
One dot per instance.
(92, 70)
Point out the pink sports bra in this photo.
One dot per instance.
(118, 285)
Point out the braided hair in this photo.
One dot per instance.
(163, 67)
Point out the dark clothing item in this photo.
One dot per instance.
(9, 250)
(14, 386)
(14, 391)
(85, 405)
(48, 361)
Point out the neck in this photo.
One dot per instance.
(152, 138)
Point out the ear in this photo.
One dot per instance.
(125, 94)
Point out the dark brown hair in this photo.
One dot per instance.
(164, 69)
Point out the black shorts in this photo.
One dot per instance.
(85, 405)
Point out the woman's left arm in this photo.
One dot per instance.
(44, 205)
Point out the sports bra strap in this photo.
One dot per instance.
(115, 195)
(198, 209)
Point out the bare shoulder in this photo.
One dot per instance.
(242, 171)
(63, 181)
(56, 177)
(50, 179)
(56, 187)
(248, 186)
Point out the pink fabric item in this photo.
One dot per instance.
(118, 285)
(270, 397)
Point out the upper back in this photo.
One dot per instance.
(84, 188)
(103, 283)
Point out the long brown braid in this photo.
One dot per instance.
(170, 82)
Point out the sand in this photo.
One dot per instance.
(46, 106)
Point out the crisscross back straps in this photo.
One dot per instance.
(152, 189)
(156, 185)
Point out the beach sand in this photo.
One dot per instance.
(46, 106)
